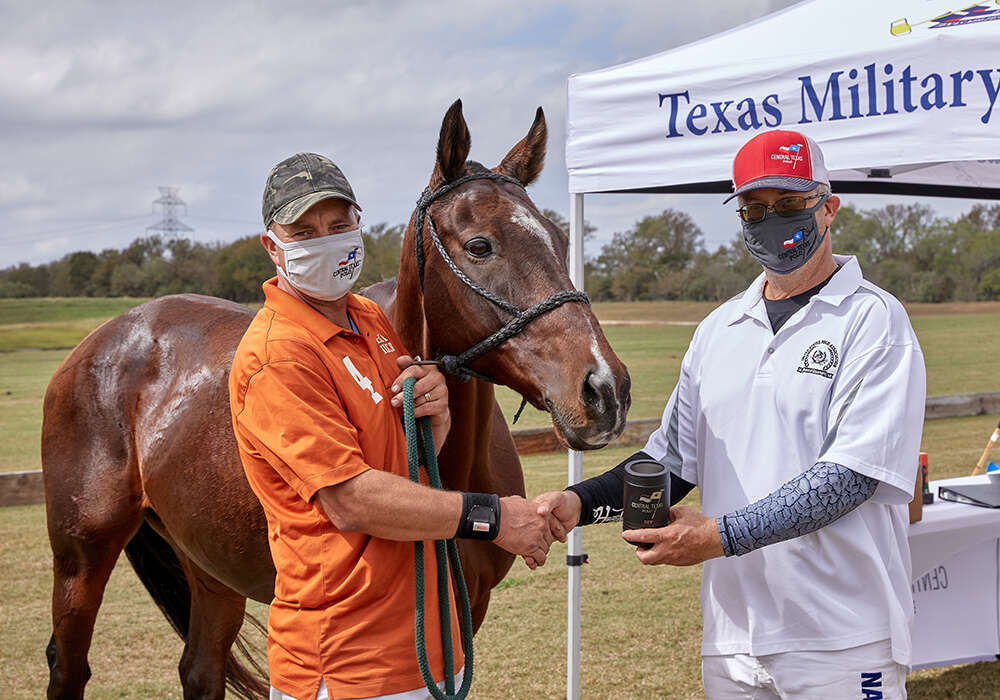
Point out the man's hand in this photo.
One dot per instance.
(523, 530)
(690, 538)
(430, 395)
(562, 509)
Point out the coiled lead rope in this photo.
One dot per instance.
(445, 552)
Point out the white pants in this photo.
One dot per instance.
(866, 672)
(418, 694)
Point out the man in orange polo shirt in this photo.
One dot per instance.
(315, 393)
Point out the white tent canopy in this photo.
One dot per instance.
(902, 96)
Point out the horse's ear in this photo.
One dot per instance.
(525, 160)
(453, 147)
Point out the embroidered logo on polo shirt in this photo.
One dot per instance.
(384, 344)
(819, 358)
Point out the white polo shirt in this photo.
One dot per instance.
(842, 381)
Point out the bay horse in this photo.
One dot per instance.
(138, 451)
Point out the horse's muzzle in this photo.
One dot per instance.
(599, 416)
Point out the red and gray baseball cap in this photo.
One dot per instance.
(785, 160)
(298, 182)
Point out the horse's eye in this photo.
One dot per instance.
(479, 247)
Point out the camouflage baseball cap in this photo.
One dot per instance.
(297, 183)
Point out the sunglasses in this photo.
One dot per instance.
(786, 206)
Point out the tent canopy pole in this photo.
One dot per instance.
(574, 548)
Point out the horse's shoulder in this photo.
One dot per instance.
(382, 293)
(213, 319)
(170, 329)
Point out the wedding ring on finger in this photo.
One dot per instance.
(427, 397)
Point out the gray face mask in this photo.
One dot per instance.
(783, 244)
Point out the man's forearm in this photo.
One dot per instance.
(391, 507)
(819, 496)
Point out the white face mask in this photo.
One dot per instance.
(323, 268)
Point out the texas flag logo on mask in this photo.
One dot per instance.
(351, 257)
(790, 243)
(350, 264)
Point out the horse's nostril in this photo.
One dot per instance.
(590, 392)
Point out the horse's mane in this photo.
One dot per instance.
(476, 168)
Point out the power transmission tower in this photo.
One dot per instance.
(171, 204)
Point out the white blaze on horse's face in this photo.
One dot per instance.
(603, 376)
(529, 222)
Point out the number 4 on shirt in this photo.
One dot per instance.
(363, 381)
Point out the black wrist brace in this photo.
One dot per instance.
(480, 516)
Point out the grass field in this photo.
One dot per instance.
(59, 309)
(520, 651)
(953, 343)
(54, 322)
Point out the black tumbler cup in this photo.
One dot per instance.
(647, 497)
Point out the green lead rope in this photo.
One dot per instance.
(445, 551)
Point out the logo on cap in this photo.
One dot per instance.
(792, 156)
(772, 159)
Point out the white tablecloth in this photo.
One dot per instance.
(955, 550)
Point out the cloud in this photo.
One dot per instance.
(106, 101)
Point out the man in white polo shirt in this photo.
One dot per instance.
(798, 415)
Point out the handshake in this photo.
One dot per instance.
(528, 528)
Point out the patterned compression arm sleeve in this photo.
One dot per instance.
(814, 499)
(601, 496)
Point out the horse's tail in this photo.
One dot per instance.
(159, 569)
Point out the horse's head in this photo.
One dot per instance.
(546, 344)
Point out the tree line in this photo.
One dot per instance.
(906, 249)
(152, 266)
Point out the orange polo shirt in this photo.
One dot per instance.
(310, 407)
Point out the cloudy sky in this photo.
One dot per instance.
(102, 102)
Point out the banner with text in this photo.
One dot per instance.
(901, 90)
